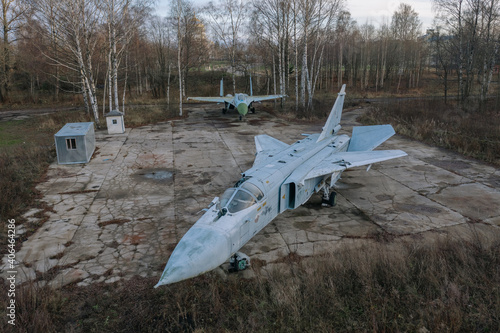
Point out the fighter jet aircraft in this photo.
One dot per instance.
(282, 177)
(240, 102)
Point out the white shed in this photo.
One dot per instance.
(114, 121)
(75, 143)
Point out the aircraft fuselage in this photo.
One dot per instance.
(283, 177)
(215, 237)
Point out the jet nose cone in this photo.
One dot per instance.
(242, 108)
(199, 251)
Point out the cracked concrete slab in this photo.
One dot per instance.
(122, 214)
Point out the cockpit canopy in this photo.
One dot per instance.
(240, 97)
(242, 197)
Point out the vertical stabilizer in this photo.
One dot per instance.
(332, 125)
(222, 87)
(251, 90)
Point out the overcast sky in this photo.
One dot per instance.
(374, 11)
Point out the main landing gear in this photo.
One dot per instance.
(329, 199)
(238, 262)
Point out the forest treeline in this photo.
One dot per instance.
(109, 50)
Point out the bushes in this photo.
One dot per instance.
(472, 133)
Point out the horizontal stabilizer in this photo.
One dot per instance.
(345, 160)
(365, 138)
(266, 145)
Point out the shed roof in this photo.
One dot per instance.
(113, 113)
(75, 129)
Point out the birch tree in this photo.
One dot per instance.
(405, 27)
(271, 24)
(226, 19)
(12, 16)
(179, 50)
(489, 43)
(73, 26)
(472, 26)
(122, 17)
(316, 18)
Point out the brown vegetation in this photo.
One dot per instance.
(472, 133)
(449, 285)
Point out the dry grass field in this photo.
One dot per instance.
(448, 285)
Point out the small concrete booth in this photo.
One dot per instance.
(75, 143)
(114, 121)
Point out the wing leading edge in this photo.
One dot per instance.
(264, 97)
(346, 160)
(212, 99)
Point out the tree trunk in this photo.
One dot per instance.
(125, 82)
(84, 94)
(296, 58)
(168, 84)
(179, 43)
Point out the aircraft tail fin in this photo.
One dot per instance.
(222, 87)
(251, 90)
(332, 124)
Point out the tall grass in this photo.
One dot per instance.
(473, 133)
(448, 285)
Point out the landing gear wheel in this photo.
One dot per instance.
(333, 199)
(238, 262)
(224, 110)
(242, 264)
(329, 199)
(241, 117)
(252, 110)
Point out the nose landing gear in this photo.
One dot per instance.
(238, 262)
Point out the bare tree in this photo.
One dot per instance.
(443, 52)
(226, 18)
(405, 27)
(316, 19)
(271, 24)
(179, 48)
(161, 39)
(122, 17)
(194, 43)
(489, 43)
(12, 16)
(473, 29)
(73, 27)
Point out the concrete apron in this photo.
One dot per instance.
(122, 214)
